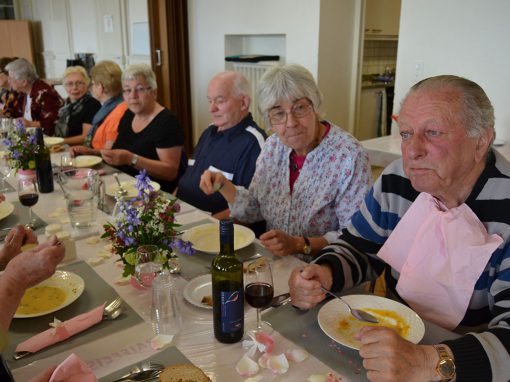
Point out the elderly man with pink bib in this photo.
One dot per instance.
(435, 228)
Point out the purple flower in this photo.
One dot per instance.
(184, 247)
(143, 185)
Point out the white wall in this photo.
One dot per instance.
(339, 48)
(84, 26)
(210, 21)
(78, 26)
(462, 37)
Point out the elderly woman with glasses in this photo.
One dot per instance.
(311, 176)
(106, 87)
(149, 135)
(40, 103)
(75, 117)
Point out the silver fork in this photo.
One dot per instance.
(147, 371)
(113, 315)
(113, 309)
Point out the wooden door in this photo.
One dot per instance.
(168, 25)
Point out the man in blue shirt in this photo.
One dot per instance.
(230, 145)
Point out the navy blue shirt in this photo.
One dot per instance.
(234, 152)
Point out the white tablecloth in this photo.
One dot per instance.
(196, 340)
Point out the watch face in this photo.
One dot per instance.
(446, 368)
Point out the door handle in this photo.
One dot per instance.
(158, 57)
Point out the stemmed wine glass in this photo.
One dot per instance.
(28, 195)
(5, 171)
(67, 162)
(258, 291)
(147, 266)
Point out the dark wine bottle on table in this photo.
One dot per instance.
(227, 288)
(43, 164)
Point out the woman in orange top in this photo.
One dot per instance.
(106, 88)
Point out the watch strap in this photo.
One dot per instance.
(445, 360)
(134, 160)
(307, 248)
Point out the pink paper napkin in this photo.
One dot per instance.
(440, 254)
(73, 369)
(63, 331)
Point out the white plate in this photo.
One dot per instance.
(206, 237)
(498, 142)
(196, 289)
(51, 141)
(87, 160)
(6, 209)
(130, 187)
(70, 282)
(334, 312)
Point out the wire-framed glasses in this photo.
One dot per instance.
(299, 109)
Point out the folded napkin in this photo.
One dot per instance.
(73, 369)
(62, 331)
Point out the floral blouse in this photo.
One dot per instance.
(331, 185)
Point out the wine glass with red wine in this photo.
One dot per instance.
(259, 291)
(28, 196)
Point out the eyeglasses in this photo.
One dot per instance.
(137, 90)
(72, 84)
(298, 110)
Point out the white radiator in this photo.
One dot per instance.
(253, 72)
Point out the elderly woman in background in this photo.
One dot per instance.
(75, 117)
(9, 98)
(149, 136)
(311, 176)
(40, 103)
(107, 89)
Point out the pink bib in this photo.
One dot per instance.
(440, 254)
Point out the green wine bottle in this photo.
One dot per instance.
(227, 288)
(43, 164)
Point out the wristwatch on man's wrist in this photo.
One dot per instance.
(134, 160)
(307, 248)
(445, 366)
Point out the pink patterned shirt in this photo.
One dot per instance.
(331, 185)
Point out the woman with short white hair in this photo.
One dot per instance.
(149, 135)
(41, 102)
(75, 117)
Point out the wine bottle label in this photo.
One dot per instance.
(232, 313)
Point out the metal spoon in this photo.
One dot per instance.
(356, 313)
(120, 191)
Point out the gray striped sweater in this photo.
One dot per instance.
(479, 355)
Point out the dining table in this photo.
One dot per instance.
(111, 348)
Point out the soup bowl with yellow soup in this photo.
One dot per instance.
(54, 293)
(336, 321)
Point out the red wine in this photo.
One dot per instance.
(29, 200)
(258, 295)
